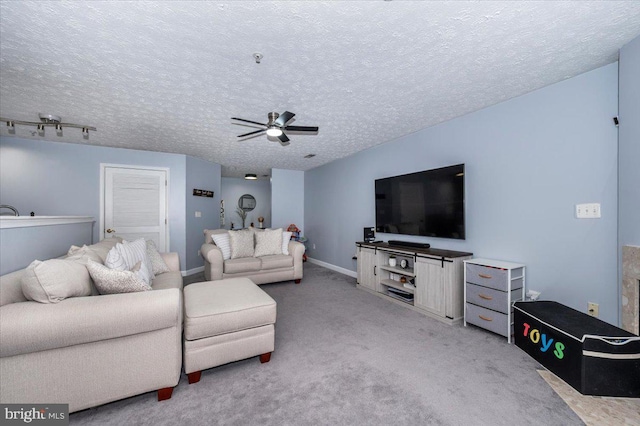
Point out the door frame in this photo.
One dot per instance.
(103, 166)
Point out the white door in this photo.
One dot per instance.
(135, 204)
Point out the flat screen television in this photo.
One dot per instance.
(428, 203)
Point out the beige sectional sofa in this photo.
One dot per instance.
(261, 270)
(87, 351)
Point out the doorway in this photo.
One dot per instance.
(133, 203)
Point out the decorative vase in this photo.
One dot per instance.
(392, 261)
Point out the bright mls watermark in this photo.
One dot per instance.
(34, 414)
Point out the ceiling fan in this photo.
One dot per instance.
(276, 126)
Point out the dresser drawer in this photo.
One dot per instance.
(486, 318)
(487, 276)
(493, 299)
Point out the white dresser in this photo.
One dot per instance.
(490, 288)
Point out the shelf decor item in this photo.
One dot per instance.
(404, 263)
(392, 261)
(261, 222)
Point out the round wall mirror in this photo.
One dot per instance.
(247, 202)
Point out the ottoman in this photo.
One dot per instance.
(225, 321)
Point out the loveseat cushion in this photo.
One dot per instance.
(241, 243)
(243, 264)
(276, 261)
(268, 242)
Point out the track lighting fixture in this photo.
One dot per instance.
(47, 120)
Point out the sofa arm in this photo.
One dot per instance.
(32, 327)
(172, 260)
(296, 249)
(214, 263)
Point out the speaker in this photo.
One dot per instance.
(369, 235)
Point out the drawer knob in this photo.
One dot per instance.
(482, 317)
(485, 276)
(485, 297)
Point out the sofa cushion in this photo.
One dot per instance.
(276, 261)
(134, 252)
(241, 243)
(268, 242)
(112, 281)
(224, 244)
(30, 327)
(101, 248)
(157, 263)
(286, 237)
(244, 264)
(171, 279)
(219, 307)
(54, 280)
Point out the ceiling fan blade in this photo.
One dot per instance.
(248, 121)
(252, 133)
(284, 140)
(284, 118)
(301, 128)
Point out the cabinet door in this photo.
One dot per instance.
(430, 281)
(366, 267)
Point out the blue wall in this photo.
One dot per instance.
(201, 174)
(529, 160)
(629, 191)
(233, 188)
(54, 178)
(287, 199)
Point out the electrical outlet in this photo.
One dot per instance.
(314, 246)
(198, 214)
(592, 309)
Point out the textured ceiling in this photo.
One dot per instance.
(168, 76)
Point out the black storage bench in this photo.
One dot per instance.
(594, 357)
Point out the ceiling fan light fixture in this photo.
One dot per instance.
(274, 131)
(251, 176)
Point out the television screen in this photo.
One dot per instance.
(428, 203)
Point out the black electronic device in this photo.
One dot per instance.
(369, 234)
(409, 244)
(428, 203)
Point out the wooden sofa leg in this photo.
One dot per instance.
(297, 281)
(194, 377)
(265, 357)
(164, 393)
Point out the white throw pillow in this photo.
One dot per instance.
(115, 260)
(286, 237)
(158, 265)
(223, 243)
(268, 242)
(133, 252)
(241, 243)
(112, 281)
(54, 280)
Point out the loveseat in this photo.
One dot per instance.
(87, 351)
(260, 269)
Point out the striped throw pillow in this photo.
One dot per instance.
(133, 252)
(223, 243)
(286, 237)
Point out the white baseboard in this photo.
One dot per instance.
(333, 267)
(192, 271)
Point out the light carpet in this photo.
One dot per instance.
(347, 357)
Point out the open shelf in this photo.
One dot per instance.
(398, 285)
(407, 272)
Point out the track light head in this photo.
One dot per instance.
(11, 126)
(41, 129)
